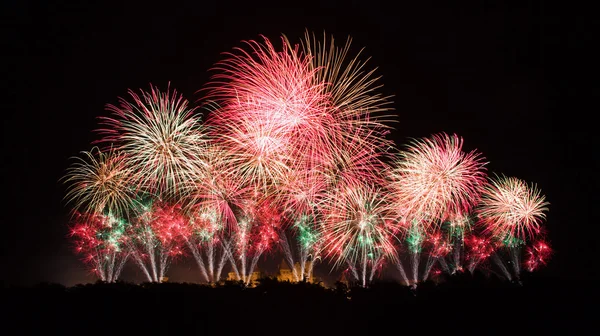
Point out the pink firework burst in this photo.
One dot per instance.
(269, 220)
(352, 159)
(434, 179)
(509, 207)
(269, 111)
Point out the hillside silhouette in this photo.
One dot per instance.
(461, 304)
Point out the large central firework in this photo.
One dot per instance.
(270, 112)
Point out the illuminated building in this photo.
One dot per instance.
(287, 274)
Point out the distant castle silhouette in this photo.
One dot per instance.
(285, 273)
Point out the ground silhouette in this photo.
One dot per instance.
(460, 304)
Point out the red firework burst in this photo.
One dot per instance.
(538, 255)
(101, 240)
(170, 226)
(439, 245)
(479, 249)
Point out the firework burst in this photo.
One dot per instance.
(295, 146)
(434, 179)
(360, 125)
(538, 255)
(160, 135)
(99, 182)
(509, 207)
(270, 111)
(479, 249)
(214, 189)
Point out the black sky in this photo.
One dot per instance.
(512, 80)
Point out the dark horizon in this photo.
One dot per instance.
(500, 76)
(463, 305)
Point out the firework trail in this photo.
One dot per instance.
(160, 136)
(212, 197)
(508, 253)
(439, 248)
(100, 240)
(207, 245)
(448, 245)
(307, 247)
(456, 228)
(299, 197)
(358, 229)
(257, 231)
(156, 237)
(435, 180)
(415, 238)
(99, 182)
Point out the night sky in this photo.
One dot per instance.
(512, 81)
